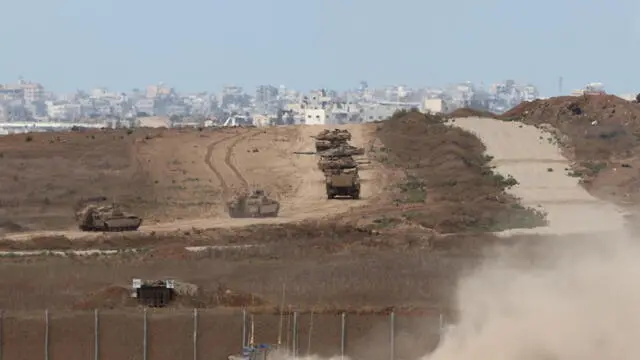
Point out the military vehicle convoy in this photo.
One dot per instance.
(339, 167)
(255, 204)
(94, 215)
(337, 162)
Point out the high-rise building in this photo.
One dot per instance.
(266, 94)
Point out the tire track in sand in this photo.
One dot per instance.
(230, 165)
(236, 139)
(306, 201)
(207, 159)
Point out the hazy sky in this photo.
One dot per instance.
(202, 44)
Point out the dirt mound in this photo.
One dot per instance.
(597, 126)
(468, 112)
(600, 132)
(110, 297)
(10, 226)
(446, 171)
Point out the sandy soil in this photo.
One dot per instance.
(195, 180)
(525, 152)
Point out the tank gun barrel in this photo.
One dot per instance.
(305, 152)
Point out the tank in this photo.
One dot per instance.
(256, 204)
(342, 182)
(323, 145)
(336, 162)
(328, 139)
(342, 149)
(96, 217)
(335, 134)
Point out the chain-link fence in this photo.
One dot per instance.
(163, 334)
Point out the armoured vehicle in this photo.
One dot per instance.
(322, 145)
(342, 149)
(334, 149)
(336, 162)
(256, 204)
(342, 182)
(328, 139)
(335, 134)
(96, 217)
(327, 145)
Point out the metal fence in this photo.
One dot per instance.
(159, 334)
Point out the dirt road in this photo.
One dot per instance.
(528, 154)
(255, 158)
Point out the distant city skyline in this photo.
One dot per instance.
(250, 89)
(198, 45)
(27, 100)
(482, 85)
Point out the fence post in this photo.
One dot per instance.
(96, 335)
(46, 334)
(1, 333)
(195, 334)
(310, 331)
(294, 335)
(343, 335)
(392, 336)
(144, 335)
(244, 328)
(288, 341)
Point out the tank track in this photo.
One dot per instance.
(116, 229)
(241, 215)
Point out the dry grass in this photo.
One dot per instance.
(446, 171)
(44, 174)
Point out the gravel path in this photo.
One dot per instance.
(527, 154)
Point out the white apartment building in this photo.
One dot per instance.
(315, 116)
(434, 106)
(29, 91)
(32, 91)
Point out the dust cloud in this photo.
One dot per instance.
(285, 355)
(566, 300)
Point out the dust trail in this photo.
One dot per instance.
(578, 299)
